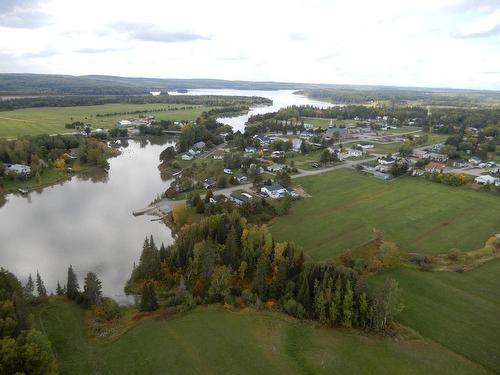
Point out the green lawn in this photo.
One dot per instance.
(461, 311)
(419, 215)
(393, 147)
(31, 121)
(325, 122)
(214, 341)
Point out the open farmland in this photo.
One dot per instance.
(214, 341)
(458, 310)
(420, 216)
(51, 120)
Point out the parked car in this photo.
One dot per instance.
(228, 171)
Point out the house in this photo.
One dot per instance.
(382, 168)
(437, 157)
(386, 160)
(277, 154)
(460, 164)
(263, 139)
(250, 150)
(274, 190)
(275, 168)
(218, 198)
(242, 178)
(187, 157)
(475, 161)
(306, 135)
(199, 146)
(487, 180)
(125, 123)
(355, 153)
(421, 154)
(209, 183)
(228, 171)
(309, 126)
(364, 147)
(332, 132)
(240, 198)
(434, 167)
(18, 170)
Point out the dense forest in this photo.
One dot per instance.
(227, 257)
(70, 101)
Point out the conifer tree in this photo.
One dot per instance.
(347, 306)
(92, 290)
(30, 286)
(72, 287)
(148, 297)
(59, 289)
(319, 303)
(40, 286)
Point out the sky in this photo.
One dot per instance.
(423, 43)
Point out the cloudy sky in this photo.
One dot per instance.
(433, 43)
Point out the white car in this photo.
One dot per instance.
(228, 171)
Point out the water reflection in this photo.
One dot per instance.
(86, 222)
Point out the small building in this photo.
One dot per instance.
(218, 198)
(365, 147)
(275, 168)
(19, 170)
(442, 158)
(487, 180)
(296, 143)
(187, 157)
(355, 153)
(242, 178)
(199, 146)
(475, 161)
(209, 183)
(386, 160)
(460, 164)
(421, 154)
(434, 167)
(277, 154)
(250, 150)
(240, 198)
(228, 171)
(263, 139)
(332, 132)
(274, 190)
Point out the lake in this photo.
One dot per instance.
(88, 222)
(280, 98)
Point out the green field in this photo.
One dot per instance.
(461, 311)
(325, 122)
(418, 215)
(214, 341)
(51, 120)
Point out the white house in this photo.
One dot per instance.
(487, 180)
(386, 160)
(277, 154)
(296, 143)
(275, 168)
(187, 157)
(365, 147)
(274, 191)
(19, 170)
(355, 153)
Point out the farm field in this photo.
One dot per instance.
(51, 120)
(458, 310)
(420, 216)
(211, 340)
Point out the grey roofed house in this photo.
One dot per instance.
(199, 145)
(240, 198)
(19, 169)
(209, 183)
(274, 187)
(336, 132)
(263, 139)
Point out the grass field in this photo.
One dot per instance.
(50, 120)
(461, 311)
(325, 122)
(393, 147)
(418, 215)
(214, 341)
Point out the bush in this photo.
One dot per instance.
(249, 297)
(108, 310)
(294, 308)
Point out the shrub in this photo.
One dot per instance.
(294, 308)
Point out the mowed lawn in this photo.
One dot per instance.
(461, 311)
(51, 120)
(214, 341)
(420, 216)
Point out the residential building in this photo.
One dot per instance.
(434, 167)
(386, 160)
(240, 198)
(18, 170)
(275, 168)
(487, 180)
(263, 139)
(209, 183)
(187, 157)
(437, 157)
(460, 164)
(274, 190)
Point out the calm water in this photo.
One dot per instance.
(86, 224)
(280, 98)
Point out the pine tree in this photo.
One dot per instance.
(335, 306)
(72, 287)
(304, 295)
(148, 297)
(30, 286)
(92, 290)
(363, 310)
(59, 289)
(40, 286)
(319, 303)
(347, 306)
(259, 282)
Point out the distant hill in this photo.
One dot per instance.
(47, 84)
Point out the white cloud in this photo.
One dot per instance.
(387, 42)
